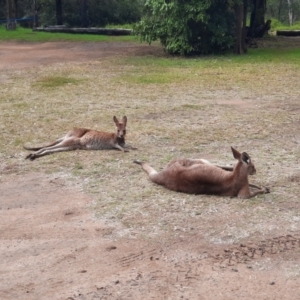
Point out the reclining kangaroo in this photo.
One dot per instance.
(85, 139)
(199, 176)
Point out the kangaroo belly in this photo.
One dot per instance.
(97, 145)
(206, 189)
(196, 179)
(95, 140)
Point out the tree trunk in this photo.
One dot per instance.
(244, 33)
(290, 12)
(59, 20)
(257, 19)
(84, 13)
(11, 14)
(34, 23)
(240, 28)
(279, 9)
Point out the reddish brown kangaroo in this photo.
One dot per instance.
(86, 139)
(199, 176)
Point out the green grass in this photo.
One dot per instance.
(277, 25)
(174, 69)
(287, 27)
(260, 55)
(55, 81)
(168, 70)
(27, 35)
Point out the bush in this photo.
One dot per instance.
(187, 27)
(275, 24)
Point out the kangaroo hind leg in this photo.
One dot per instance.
(64, 145)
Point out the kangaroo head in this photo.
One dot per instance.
(245, 160)
(121, 127)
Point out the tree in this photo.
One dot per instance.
(193, 26)
(11, 7)
(59, 18)
(257, 19)
(285, 11)
(187, 27)
(240, 27)
(84, 13)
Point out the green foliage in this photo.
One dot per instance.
(275, 24)
(187, 27)
(279, 10)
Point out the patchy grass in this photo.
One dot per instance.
(55, 81)
(192, 107)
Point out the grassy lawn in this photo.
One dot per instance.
(25, 34)
(191, 107)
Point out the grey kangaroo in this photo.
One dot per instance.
(86, 139)
(199, 176)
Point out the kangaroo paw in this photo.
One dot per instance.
(30, 156)
(137, 162)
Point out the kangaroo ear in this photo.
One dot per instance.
(115, 120)
(236, 154)
(124, 120)
(246, 158)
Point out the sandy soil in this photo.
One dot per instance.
(52, 246)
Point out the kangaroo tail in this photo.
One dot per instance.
(39, 148)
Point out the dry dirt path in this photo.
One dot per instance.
(53, 248)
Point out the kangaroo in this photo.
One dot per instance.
(86, 139)
(199, 176)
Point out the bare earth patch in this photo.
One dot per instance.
(54, 245)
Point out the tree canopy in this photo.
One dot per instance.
(206, 26)
(188, 26)
(210, 26)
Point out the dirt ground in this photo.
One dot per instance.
(53, 247)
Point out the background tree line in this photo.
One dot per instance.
(101, 12)
(76, 13)
(285, 11)
(182, 26)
